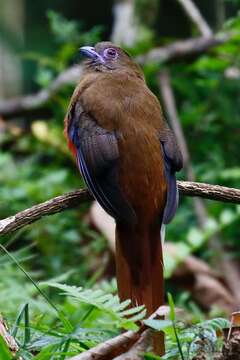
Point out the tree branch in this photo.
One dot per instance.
(29, 103)
(110, 348)
(183, 48)
(169, 104)
(137, 350)
(172, 115)
(211, 192)
(125, 29)
(25, 104)
(75, 198)
(50, 207)
(196, 17)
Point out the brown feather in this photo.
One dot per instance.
(119, 100)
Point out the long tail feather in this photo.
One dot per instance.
(139, 265)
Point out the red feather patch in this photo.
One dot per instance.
(71, 146)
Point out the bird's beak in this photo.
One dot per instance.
(89, 51)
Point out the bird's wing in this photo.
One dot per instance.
(172, 162)
(97, 157)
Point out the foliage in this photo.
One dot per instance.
(95, 315)
(191, 339)
(87, 317)
(4, 351)
(70, 36)
(35, 165)
(184, 341)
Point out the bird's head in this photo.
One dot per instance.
(107, 57)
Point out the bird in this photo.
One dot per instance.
(128, 157)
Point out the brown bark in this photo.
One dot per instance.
(110, 348)
(52, 206)
(183, 48)
(75, 198)
(207, 191)
(137, 350)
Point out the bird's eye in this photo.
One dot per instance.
(110, 53)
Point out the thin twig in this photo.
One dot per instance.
(75, 198)
(169, 104)
(196, 17)
(29, 103)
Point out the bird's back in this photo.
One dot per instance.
(124, 104)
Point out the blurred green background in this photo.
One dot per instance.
(38, 41)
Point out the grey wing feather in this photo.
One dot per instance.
(97, 157)
(172, 162)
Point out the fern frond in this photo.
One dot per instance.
(109, 304)
(215, 324)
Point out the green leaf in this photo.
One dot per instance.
(195, 237)
(132, 311)
(227, 217)
(18, 320)
(107, 303)
(5, 354)
(215, 324)
(172, 318)
(171, 304)
(63, 29)
(60, 313)
(158, 324)
(27, 334)
(46, 353)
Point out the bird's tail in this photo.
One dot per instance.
(139, 265)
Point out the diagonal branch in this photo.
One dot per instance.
(172, 114)
(75, 198)
(137, 350)
(29, 103)
(49, 207)
(196, 17)
(110, 348)
(179, 49)
(183, 48)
